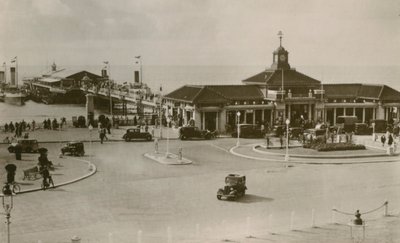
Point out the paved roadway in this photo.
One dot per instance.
(131, 193)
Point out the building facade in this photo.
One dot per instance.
(279, 93)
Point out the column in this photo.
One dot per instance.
(263, 115)
(222, 120)
(363, 115)
(397, 113)
(309, 112)
(254, 117)
(244, 117)
(354, 111)
(203, 122)
(289, 111)
(334, 116)
(217, 121)
(386, 113)
(89, 108)
(373, 113)
(344, 111)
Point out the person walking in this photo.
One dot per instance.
(102, 134)
(383, 140)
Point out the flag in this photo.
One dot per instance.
(14, 59)
(105, 62)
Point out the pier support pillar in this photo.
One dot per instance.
(89, 108)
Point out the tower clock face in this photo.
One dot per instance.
(282, 58)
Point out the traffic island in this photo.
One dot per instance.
(168, 158)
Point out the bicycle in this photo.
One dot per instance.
(47, 179)
(12, 187)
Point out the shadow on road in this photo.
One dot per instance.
(250, 198)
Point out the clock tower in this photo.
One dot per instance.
(280, 56)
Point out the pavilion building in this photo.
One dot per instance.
(279, 93)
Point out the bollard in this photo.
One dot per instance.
(169, 235)
(270, 223)
(333, 215)
(180, 154)
(386, 208)
(313, 218)
(110, 237)
(291, 221)
(198, 231)
(156, 145)
(74, 239)
(248, 227)
(139, 236)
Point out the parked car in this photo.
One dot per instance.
(27, 146)
(380, 125)
(135, 133)
(248, 131)
(362, 129)
(194, 132)
(235, 187)
(346, 124)
(73, 148)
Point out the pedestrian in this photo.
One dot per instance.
(16, 129)
(11, 127)
(358, 220)
(383, 140)
(102, 135)
(6, 128)
(33, 125)
(390, 140)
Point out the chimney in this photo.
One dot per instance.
(104, 73)
(54, 67)
(2, 77)
(137, 77)
(12, 72)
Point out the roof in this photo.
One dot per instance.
(70, 74)
(361, 91)
(215, 93)
(291, 78)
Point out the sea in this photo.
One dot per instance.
(173, 77)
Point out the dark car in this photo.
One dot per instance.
(362, 129)
(296, 132)
(235, 187)
(194, 132)
(26, 145)
(73, 148)
(248, 131)
(135, 133)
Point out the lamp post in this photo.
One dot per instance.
(8, 205)
(90, 135)
(238, 128)
(168, 121)
(287, 140)
(373, 131)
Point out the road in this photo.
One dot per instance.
(131, 193)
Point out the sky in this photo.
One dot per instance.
(199, 32)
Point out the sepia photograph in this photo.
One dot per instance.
(186, 121)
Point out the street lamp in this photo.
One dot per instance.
(287, 140)
(90, 134)
(168, 121)
(373, 131)
(238, 129)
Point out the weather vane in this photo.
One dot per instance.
(280, 34)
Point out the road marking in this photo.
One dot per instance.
(219, 147)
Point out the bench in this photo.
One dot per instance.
(31, 173)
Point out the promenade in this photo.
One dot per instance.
(102, 208)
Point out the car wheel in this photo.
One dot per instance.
(219, 197)
(11, 150)
(127, 139)
(148, 138)
(183, 137)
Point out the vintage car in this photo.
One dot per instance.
(26, 146)
(194, 132)
(312, 134)
(248, 131)
(362, 129)
(135, 133)
(73, 148)
(235, 187)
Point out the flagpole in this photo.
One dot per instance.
(16, 71)
(5, 72)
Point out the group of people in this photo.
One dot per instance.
(19, 128)
(54, 125)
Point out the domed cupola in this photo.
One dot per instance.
(280, 57)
